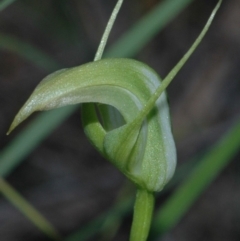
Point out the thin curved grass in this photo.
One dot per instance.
(28, 210)
(201, 173)
(5, 3)
(114, 214)
(12, 155)
(28, 51)
(15, 198)
(146, 28)
(103, 223)
(208, 168)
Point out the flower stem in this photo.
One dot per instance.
(142, 216)
(107, 31)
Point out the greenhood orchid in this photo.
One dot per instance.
(129, 123)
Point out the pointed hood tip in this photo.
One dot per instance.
(11, 128)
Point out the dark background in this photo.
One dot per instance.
(65, 178)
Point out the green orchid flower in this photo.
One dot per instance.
(127, 85)
(130, 123)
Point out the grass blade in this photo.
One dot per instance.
(5, 3)
(27, 51)
(199, 179)
(104, 222)
(26, 209)
(25, 141)
(146, 28)
(115, 213)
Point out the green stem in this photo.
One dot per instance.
(107, 31)
(142, 216)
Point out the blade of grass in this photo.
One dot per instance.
(28, 51)
(146, 28)
(26, 209)
(5, 3)
(16, 199)
(89, 230)
(199, 179)
(9, 156)
(26, 141)
(202, 172)
(104, 222)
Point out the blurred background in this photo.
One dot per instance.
(63, 177)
